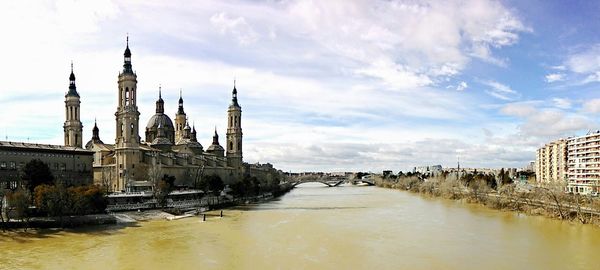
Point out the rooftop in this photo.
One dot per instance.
(37, 146)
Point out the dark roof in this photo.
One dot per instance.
(7, 145)
(127, 51)
(160, 118)
(215, 147)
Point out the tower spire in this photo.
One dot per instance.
(95, 131)
(180, 110)
(72, 87)
(160, 103)
(127, 55)
(234, 101)
(234, 131)
(72, 127)
(216, 137)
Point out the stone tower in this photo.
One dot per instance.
(234, 132)
(72, 127)
(180, 120)
(127, 151)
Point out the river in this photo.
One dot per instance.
(316, 227)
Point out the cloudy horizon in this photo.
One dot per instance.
(324, 85)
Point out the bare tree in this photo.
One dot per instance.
(19, 199)
(140, 172)
(478, 190)
(2, 205)
(554, 192)
(197, 174)
(107, 175)
(155, 175)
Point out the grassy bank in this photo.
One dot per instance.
(549, 201)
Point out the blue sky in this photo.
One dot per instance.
(324, 85)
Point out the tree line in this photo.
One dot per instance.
(40, 194)
(500, 192)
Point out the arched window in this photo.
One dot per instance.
(239, 146)
(231, 145)
(131, 129)
(126, 96)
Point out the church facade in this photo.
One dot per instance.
(169, 147)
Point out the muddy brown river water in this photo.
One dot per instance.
(315, 227)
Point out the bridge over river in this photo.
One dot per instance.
(332, 181)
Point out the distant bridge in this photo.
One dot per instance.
(332, 182)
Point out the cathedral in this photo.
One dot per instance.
(169, 147)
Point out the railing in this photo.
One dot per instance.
(130, 206)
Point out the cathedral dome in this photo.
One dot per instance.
(215, 147)
(167, 125)
(160, 118)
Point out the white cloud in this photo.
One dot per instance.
(462, 86)
(586, 63)
(395, 75)
(547, 123)
(500, 91)
(518, 109)
(551, 123)
(427, 39)
(555, 77)
(237, 27)
(562, 103)
(592, 106)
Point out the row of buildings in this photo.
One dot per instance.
(574, 162)
(124, 166)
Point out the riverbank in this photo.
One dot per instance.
(131, 217)
(551, 201)
(61, 222)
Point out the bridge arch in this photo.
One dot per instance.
(312, 181)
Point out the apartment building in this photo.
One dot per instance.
(551, 163)
(584, 163)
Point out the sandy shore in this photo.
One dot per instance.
(135, 216)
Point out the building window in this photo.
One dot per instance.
(3, 165)
(12, 165)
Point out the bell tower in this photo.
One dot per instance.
(72, 127)
(127, 152)
(234, 132)
(180, 120)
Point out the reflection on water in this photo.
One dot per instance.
(315, 227)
